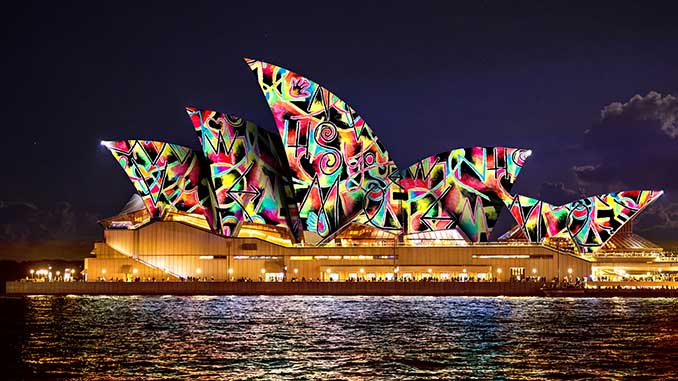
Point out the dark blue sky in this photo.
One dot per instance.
(427, 78)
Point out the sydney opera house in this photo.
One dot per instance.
(323, 200)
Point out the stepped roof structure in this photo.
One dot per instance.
(326, 176)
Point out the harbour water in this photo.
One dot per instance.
(323, 337)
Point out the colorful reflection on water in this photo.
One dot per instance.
(278, 337)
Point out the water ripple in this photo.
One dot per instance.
(352, 338)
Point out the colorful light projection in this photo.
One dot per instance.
(248, 173)
(465, 188)
(589, 222)
(166, 176)
(341, 173)
(340, 167)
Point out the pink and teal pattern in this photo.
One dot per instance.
(341, 170)
(589, 222)
(465, 188)
(248, 173)
(167, 176)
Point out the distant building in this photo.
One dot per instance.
(324, 200)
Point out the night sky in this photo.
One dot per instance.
(593, 91)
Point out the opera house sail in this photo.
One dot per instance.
(323, 199)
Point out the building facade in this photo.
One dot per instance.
(323, 200)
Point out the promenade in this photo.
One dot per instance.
(276, 288)
(607, 289)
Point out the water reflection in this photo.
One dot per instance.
(294, 337)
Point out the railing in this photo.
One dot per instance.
(146, 263)
(131, 256)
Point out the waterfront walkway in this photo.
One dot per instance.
(276, 288)
(328, 288)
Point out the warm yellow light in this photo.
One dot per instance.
(33, 271)
(430, 270)
(658, 270)
(361, 270)
(296, 271)
(72, 271)
(501, 256)
(464, 270)
(103, 271)
(498, 271)
(569, 271)
(59, 273)
(198, 270)
(534, 271)
(230, 271)
(134, 271)
(329, 271)
(263, 271)
(396, 270)
(648, 273)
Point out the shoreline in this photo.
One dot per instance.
(17, 288)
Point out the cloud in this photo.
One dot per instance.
(598, 178)
(664, 215)
(632, 146)
(559, 193)
(651, 107)
(659, 223)
(585, 169)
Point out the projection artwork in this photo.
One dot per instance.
(589, 222)
(340, 167)
(327, 170)
(465, 188)
(166, 176)
(248, 173)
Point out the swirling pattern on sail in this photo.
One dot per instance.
(589, 222)
(341, 170)
(248, 173)
(168, 177)
(465, 188)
